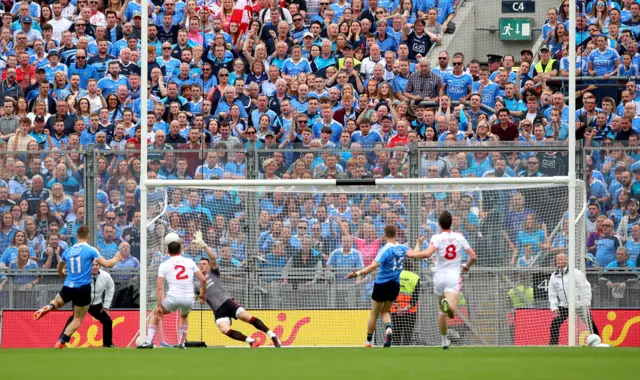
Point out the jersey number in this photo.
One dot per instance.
(450, 252)
(77, 268)
(180, 275)
(398, 263)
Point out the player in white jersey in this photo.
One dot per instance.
(446, 272)
(178, 272)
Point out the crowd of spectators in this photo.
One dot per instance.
(346, 75)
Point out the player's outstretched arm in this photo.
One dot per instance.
(364, 271)
(472, 259)
(197, 239)
(109, 263)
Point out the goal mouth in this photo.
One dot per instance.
(259, 230)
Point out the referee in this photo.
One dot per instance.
(558, 298)
(101, 285)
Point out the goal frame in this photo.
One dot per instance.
(569, 180)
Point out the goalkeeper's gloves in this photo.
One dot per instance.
(197, 239)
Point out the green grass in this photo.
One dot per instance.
(320, 363)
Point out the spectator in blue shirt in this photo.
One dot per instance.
(608, 244)
(622, 259)
(345, 260)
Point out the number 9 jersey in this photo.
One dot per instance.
(449, 249)
(178, 272)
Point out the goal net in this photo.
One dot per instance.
(284, 252)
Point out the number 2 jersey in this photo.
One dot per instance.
(178, 272)
(391, 259)
(450, 246)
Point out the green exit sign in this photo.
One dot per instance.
(515, 29)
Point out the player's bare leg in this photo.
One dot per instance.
(156, 315)
(56, 303)
(224, 324)
(244, 316)
(448, 305)
(78, 316)
(376, 309)
(386, 318)
(184, 328)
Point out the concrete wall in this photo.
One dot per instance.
(485, 14)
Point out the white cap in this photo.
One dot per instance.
(171, 237)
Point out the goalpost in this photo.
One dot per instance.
(574, 198)
(312, 305)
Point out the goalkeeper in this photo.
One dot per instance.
(223, 305)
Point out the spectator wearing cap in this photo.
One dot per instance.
(32, 34)
(494, 61)
(54, 65)
(546, 67)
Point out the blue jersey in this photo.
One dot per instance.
(457, 86)
(79, 259)
(292, 69)
(391, 259)
(489, 93)
(604, 62)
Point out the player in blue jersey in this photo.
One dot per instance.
(78, 261)
(390, 260)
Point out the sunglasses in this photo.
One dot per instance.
(223, 75)
(250, 133)
(166, 48)
(442, 58)
(457, 63)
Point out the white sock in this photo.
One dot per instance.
(183, 333)
(445, 341)
(151, 332)
(249, 340)
(271, 334)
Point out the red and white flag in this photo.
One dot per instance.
(241, 15)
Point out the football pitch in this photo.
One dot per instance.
(319, 363)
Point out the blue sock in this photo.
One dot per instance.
(387, 326)
(369, 337)
(65, 338)
(53, 307)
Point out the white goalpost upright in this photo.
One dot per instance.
(572, 174)
(144, 97)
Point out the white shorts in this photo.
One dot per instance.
(446, 282)
(173, 303)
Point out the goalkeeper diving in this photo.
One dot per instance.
(224, 307)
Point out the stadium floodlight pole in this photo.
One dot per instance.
(144, 100)
(571, 244)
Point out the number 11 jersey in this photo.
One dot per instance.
(178, 272)
(450, 246)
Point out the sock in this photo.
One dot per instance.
(237, 335)
(271, 334)
(151, 332)
(444, 340)
(53, 307)
(183, 334)
(257, 323)
(387, 326)
(369, 337)
(65, 338)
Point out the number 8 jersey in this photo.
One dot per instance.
(178, 272)
(450, 246)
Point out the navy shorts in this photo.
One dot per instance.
(386, 291)
(78, 296)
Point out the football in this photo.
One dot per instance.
(593, 340)
(171, 237)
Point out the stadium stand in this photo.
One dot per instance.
(311, 89)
